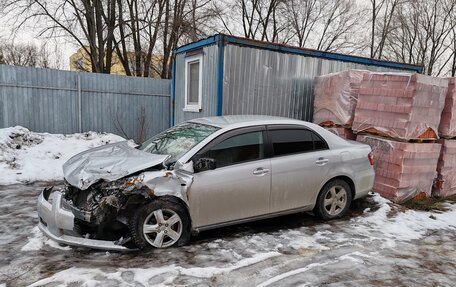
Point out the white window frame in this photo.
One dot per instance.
(194, 107)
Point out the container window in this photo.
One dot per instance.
(193, 83)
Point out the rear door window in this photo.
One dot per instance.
(292, 141)
(319, 143)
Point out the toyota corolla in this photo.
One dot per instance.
(203, 174)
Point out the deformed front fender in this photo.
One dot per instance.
(169, 182)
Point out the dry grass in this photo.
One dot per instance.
(430, 203)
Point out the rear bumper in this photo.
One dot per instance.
(364, 182)
(57, 223)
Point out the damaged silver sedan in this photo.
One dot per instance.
(203, 174)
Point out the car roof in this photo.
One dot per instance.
(230, 122)
(245, 120)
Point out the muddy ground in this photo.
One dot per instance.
(376, 245)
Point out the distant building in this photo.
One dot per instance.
(80, 61)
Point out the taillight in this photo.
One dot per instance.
(370, 156)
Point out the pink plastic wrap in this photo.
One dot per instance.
(336, 95)
(345, 133)
(445, 183)
(400, 105)
(403, 170)
(447, 127)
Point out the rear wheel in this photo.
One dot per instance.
(160, 224)
(334, 200)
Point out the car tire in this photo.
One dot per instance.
(334, 200)
(160, 224)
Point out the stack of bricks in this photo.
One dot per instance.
(400, 106)
(399, 115)
(335, 100)
(445, 183)
(403, 170)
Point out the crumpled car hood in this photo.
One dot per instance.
(109, 162)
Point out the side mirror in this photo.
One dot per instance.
(203, 164)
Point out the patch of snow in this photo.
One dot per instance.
(304, 240)
(37, 241)
(88, 276)
(208, 272)
(83, 276)
(405, 226)
(282, 276)
(56, 245)
(27, 156)
(353, 258)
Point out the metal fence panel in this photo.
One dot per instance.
(53, 101)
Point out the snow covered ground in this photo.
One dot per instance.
(378, 244)
(27, 156)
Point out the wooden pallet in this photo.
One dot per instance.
(447, 138)
(331, 124)
(438, 183)
(428, 136)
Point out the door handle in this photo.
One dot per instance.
(260, 171)
(321, 161)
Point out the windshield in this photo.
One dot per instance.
(177, 140)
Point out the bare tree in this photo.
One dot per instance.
(302, 18)
(453, 50)
(181, 24)
(425, 35)
(259, 18)
(402, 42)
(28, 55)
(88, 22)
(383, 12)
(138, 25)
(339, 17)
(20, 54)
(438, 26)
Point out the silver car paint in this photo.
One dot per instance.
(173, 183)
(295, 178)
(220, 196)
(109, 162)
(230, 193)
(56, 221)
(353, 165)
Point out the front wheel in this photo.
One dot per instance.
(334, 200)
(160, 224)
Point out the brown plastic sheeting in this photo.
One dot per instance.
(445, 184)
(403, 170)
(400, 105)
(447, 127)
(336, 95)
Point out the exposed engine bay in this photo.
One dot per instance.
(103, 210)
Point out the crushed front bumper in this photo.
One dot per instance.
(57, 223)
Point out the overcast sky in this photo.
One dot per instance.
(29, 34)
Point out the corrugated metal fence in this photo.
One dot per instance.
(54, 101)
(260, 81)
